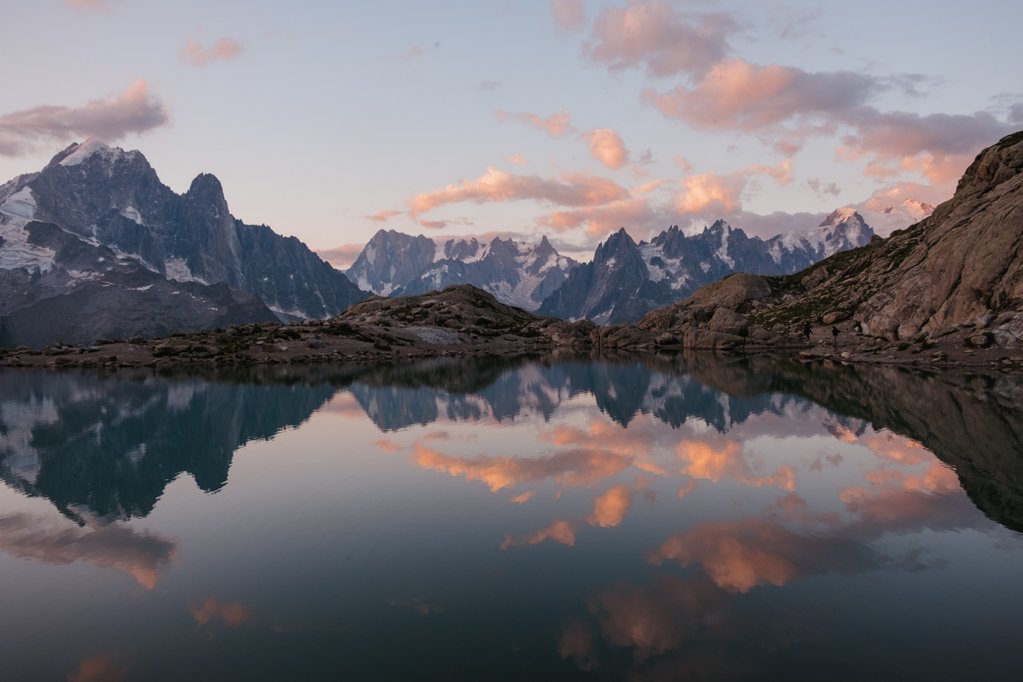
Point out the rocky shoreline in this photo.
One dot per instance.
(466, 322)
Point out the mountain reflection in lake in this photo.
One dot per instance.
(691, 518)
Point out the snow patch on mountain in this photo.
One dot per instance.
(16, 252)
(132, 214)
(722, 252)
(177, 269)
(89, 148)
(21, 204)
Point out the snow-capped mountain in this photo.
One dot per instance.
(520, 274)
(625, 280)
(95, 245)
(844, 229)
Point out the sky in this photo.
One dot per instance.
(570, 118)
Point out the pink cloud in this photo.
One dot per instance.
(738, 95)
(142, 555)
(607, 147)
(900, 204)
(104, 668)
(568, 467)
(658, 37)
(711, 194)
(231, 614)
(785, 105)
(221, 50)
(902, 134)
(683, 163)
(820, 188)
(610, 508)
(388, 445)
(434, 224)
(728, 461)
(568, 14)
(384, 216)
(599, 220)
(741, 555)
(648, 187)
(562, 532)
(710, 191)
(341, 256)
(937, 146)
(555, 125)
(517, 160)
(576, 189)
(133, 111)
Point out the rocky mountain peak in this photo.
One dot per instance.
(671, 240)
(719, 226)
(93, 151)
(206, 186)
(618, 243)
(842, 215)
(993, 166)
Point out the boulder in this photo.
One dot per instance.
(729, 322)
(834, 317)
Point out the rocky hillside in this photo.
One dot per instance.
(625, 279)
(519, 274)
(97, 224)
(955, 279)
(458, 321)
(958, 271)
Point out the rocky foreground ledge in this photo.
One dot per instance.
(463, 321)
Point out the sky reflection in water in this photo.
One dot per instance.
(651, 520)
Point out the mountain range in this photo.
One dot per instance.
(951, 284)
(95, 245)
(517, 273)
(622, 282)
(625, 280)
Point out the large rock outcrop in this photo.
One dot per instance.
(959, 271)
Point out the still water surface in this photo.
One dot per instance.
(687, 518)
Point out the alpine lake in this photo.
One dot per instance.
(685, 517)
